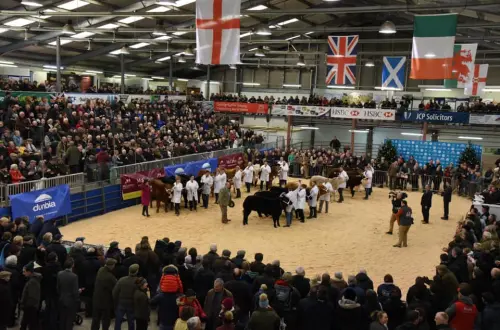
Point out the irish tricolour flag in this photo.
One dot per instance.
(433, 43)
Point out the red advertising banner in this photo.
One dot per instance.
(237, 107)
(131, 183)
(231, 161)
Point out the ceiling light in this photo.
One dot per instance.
(309, 127)
(233, 67)
(89, 73)
(180, 3)
(131, 19)
(82, 35)
(182, 79)
(130, 75)
(189, 51)
(8, 65)
(251, 84)
(301, 61)
(124, 50)
(246, 34)
(51, 70)
(359, 131)
(160, 9)
(292, 85)
(139, 45)
(308, 33)
(31, 4)
(5, 62)
(370, 64)
(180, 33)
(163, 38)
(294, 37)
(387, 27)
(491, 90)
(165, 3)
(68, 28)
(63, 42)
(388, 88)
(438, 89)
(73, 4)
(52, 67)
(115, 52)
(260, 52)
(264, 31)
(411, 134)
(159, 78)
(163, 59)
(470, 138)
(144, 78)
(109, 26)
(2, 30)
(259, 7)
(93, 71)
(292, 20)
(19, 22)
(182, 59)
(340, 87)
(430, 55)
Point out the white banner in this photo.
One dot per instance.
(173, 98)
(299, 110)
(362, 113)
(484, 119)
(80, 98)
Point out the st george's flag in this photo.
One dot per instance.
(478, 82)
(433, 44)
(464, 56)
(393, 73)
(341, 60)
(217, 32)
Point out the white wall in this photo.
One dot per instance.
(14, 71)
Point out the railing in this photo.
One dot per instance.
(72, 180)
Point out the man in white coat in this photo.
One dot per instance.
(301, 202)
(264, 175)
(368, 185)
(343, 175)
(313, 201)
(283, 172)
(292, 196)
(237, 181)
(192, 193)
(248, 176)
(325, 198)
(208, 182)
(177, 195)
(219, 182)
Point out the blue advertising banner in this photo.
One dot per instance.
(423, 151)
(191, 168)
(436, 117)
(50, 203)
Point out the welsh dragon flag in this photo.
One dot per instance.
(463, 66)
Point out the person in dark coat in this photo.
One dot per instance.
(31, 298)
(16, 283)
(317, 312)
(412, 319)
(186, 273)
(6, 300)
(28, 252)
(426, 203)
(301, 283)
(395, 309)
(266, 278)
(213, 301)
(349, 315)
(166, 304)
(49, 227)
(446, 201)
(257, 265)
(364, 281)
(49, 289)
(130, 258)
(151, 269)
(458, 265)
(241, 292)
(123, 297)
(103, 296)
(204, 280)
(59, 249)
(141, 304)
(239, 259)
(385, 289)
(90, 268)
(489, 318)
(212, 255)
(36, 226)
(69, 295)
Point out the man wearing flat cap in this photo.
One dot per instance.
(123, 297)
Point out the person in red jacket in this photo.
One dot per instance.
(190, 300)
(463, 312)
(170, 281)
(15, 174)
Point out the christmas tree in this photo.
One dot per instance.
(387, 151)
(469, 156)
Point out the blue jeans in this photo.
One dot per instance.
(120, 313)
(288, 216)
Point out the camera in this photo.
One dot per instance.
(394, 194)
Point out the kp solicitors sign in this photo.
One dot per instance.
(243, 108)
(363, 113)
(436, 117)
(50, 203)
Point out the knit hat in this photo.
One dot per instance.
(226, 253)
(113, 245)
(133, 270)
(30, 267)
(241, 253)
(110, 262)
(228, 303)
(349, 294)
(263, 301)
(338, 277)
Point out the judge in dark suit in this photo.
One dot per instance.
(446, 200)
(426, 203)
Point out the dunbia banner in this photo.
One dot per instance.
(333, 112)
(436, 117)
(50, 203)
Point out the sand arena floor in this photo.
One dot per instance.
(351, 236)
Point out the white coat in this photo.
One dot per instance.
(284, 172)
(314, 196)
(264, 173)
(192, 190)
(301, 199)
(329, 189)
(237, 179)
(208, 182)
(177, 192)
(219, 182)
(368, 175)
(343, 175)
(249, 174)
(292, 196)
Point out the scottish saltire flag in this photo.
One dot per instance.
(393, 74)
(341, 60)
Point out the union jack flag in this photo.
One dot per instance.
(341, 60)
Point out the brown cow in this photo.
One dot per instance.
(162, 192)
(355, 177)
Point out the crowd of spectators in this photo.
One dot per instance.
(43, 137)
(479, 106)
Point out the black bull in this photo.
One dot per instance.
(355, 178)
(265, 202)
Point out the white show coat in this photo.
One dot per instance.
(301, 199)
(284, 172)
(177, 192)
(249, 174)
(314, 196)
(192, 190)
(343, 175)
(219, 182)
(264, 173)
(329, 189)
(292, 196)
(368, 175)
(208, 182)
(237, 179)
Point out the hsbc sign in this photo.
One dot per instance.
(362, 113)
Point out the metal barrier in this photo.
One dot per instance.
(72, 180)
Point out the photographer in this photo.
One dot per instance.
(405, 220)
(397, 199)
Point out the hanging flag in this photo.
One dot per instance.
(393, 73)
(433, 42)
(478, 82)
(217, 32)
(462, 71)
(341, 60)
